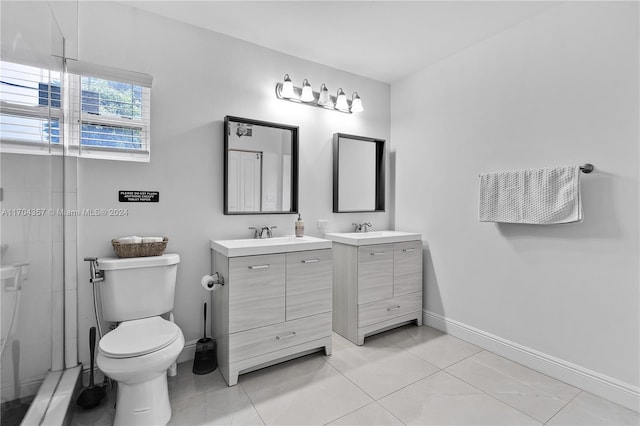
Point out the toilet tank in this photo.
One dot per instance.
(137, 287)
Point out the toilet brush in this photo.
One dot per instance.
(92, 396)
(206, 359)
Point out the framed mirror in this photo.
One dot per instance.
(260, 167)
(358, 174)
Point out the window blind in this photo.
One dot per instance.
(107, 111)
(31, 114)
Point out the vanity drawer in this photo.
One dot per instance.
(263, 340)
(256, 291)
(309, 283)
(407, 267)
(371, 313)
(375, 272)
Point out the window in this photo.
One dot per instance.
(30, 108)
(108, 111)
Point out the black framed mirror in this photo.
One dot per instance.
(358, 174)
(260, 167)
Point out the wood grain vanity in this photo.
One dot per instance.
(275, 304)
(377, 282)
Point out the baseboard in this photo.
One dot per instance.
(188, 352)
(599, 384)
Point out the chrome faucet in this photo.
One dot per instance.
(259, 233)
(268, 229)
(361, 227)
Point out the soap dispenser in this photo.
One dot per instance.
(299, 227)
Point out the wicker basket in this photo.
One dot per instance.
(139, 249)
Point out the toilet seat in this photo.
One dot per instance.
(139, 337)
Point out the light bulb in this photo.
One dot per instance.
(307, 93)
(341, 101)
(356, 103)
(324, 99)
(287, 88)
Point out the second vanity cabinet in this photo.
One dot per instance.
(377, 285)
(272, 307)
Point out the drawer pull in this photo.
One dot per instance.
(310, 260)
(252, 267)
(408, 250)
(377, 253)
(393, 308)
(288, 336)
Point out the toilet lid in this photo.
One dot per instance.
(138, 337)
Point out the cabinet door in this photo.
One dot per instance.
(309, 283)
(256, 291)
(407, 268)
(375, 272)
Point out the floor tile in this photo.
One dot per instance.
(587, 409)
(442, 399)
(380, 369)
(435, 347)
(372, 414)
(533, 393)
(186, 384)
(395, 367)
(228, 406)
(301, 392)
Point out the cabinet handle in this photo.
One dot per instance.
(288, 336)
(408, 250)
(377, 253)
(393, 308)
(252, 267)
(310, 260)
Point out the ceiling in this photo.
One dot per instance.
(382, 40)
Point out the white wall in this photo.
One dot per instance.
(199, 77)
(560, 88)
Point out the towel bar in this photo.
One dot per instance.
(587, 168)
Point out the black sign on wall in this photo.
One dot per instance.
(139, 196)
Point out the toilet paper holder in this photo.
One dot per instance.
(214, 279)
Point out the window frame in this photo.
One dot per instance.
(79, 117)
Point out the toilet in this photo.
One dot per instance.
(135, 293)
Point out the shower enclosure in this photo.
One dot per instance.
(38, 260)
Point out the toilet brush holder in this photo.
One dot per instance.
(206, 358)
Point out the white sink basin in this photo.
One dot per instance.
(252, 247)
(372, 237)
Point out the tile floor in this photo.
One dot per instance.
(407, 376)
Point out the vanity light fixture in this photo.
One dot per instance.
(305, 94)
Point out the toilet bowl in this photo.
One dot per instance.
(137, 355)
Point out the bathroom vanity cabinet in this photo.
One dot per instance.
(376, 284)
(273, 306)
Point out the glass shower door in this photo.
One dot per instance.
(32, 201)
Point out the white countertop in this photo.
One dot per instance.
(372, 237)
(253, 246)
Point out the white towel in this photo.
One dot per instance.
(152, 239)
(130, 240)
(541, 196)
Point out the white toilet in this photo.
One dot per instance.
(137, 354)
